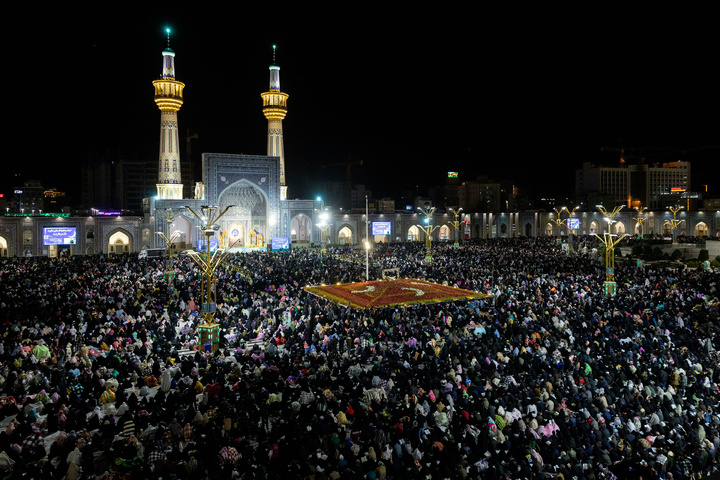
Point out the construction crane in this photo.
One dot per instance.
(348, 175)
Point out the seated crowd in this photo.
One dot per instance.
(103, 375)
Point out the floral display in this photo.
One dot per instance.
(384, 293)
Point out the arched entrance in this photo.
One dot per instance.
(667, 229)
(180, 232)
(503, 230)
(249, 212)
(701, 229)
(119, 243)
(549, 229)
(345, 236)
(593, 227)
(444, 233)
(619, 228)
(528, 229)
(3, 247)
(301, 228)
(413, 234)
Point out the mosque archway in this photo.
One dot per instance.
(248, 208)
(444, 233)
(119, 243)
(619, 228)
(413, 234)
(3, 247)
(345, 236)
(301, 228)
(549, 229)
(593, 227)
(667, 229)
(528, 229)
(701, 229)
(180, 231)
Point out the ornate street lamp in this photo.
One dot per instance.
(674, 223)
(324, 226)
(641, 220)
(456, 224)
(559, 222)
(428, 229)
(610, 243)
(208, 263)
(169, 238)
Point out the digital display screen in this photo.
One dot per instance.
(573, 223)
(381, 228)
(280, 243)
(59, 235)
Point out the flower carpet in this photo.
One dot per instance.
(385, 293)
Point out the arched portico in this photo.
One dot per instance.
(301, 228)
(119, 242)
(345, 235)
(249, 210)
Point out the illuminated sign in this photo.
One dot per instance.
(18, 192)
(573, 223)
(677, 189)
(381, 228)
(452, 174)
(280, 243)
(59, 235)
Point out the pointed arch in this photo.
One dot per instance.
(444, 233)
(125, 238)
(701, 229)
(413, 234)
(345, 235)
(301, 228)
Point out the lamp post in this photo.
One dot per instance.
(323, 226)
(428, 232)
(169, 238)
(610, 243)
(456, 224)
(640, 220)
(674, 223)
(209, 330)
(558, 221)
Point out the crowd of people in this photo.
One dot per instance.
(103, 374)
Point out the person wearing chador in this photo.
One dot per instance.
(548, 377)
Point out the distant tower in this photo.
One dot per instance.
(275, 108)
(169, 99)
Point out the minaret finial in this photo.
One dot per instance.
(274, 48)
(167, 32)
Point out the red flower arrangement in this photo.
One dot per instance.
(385, 293)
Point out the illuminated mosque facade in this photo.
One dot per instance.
(252, 190)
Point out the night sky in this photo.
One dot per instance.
(519, 91)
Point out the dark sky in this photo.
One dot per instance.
(515, 90)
